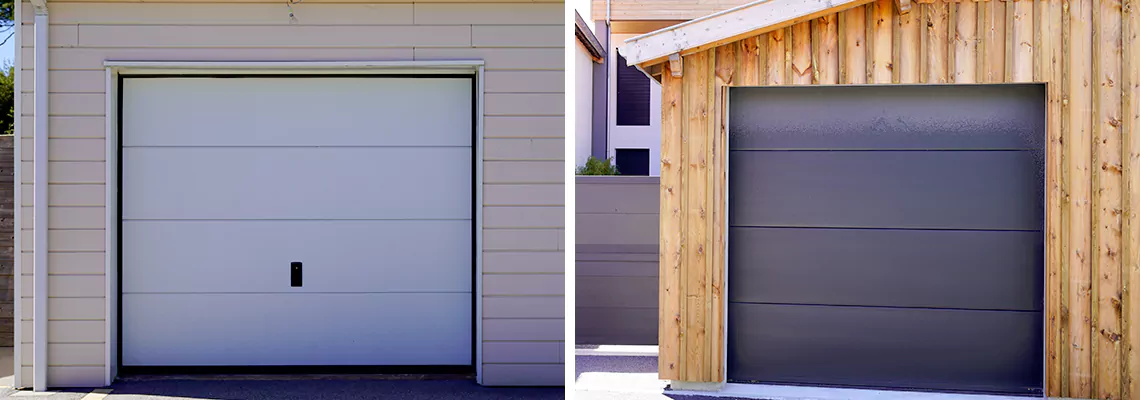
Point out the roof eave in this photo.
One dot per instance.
(727, 26)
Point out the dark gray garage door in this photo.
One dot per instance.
(887, 236)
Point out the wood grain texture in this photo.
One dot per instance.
(1107, 199)
(670, 296)
(826, 49)
(698, 87)
(1131, 197)
(777, 56)
(881, 33)
(966, 42)
(1049, 58)
(1085, 52)
(854, 38)
(993, 41)
(1080, 194)
(801, 54)
(717, 187)
(1021, 40)
(937, 42)
(748, 73)
(910, 44)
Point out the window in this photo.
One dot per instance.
(632, 95)
(633, 161)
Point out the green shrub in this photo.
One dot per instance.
(596, 166)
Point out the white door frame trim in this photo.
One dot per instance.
(115, 69)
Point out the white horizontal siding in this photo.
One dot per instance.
(67, 331)
(523, 262)
(521, 239)
(69, 263)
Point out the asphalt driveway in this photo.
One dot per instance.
(286, 388)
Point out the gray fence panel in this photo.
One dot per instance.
(616, 268)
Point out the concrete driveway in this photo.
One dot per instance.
(287, 388)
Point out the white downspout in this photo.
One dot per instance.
(40, 210)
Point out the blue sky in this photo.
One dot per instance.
(7, 51)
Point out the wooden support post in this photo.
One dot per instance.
(698, 89)
(670, 331)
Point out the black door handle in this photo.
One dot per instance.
(295, 274)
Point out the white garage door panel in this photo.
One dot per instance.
(309, 329)
(297, 111)
(337, 256)
(365, 181)
(297, 183)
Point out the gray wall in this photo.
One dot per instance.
(616, 238)
(7, 194)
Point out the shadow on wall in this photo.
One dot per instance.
(7, 256)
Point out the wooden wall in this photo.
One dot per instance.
(1088, 53)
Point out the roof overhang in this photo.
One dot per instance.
(587, 39)
(730, 25)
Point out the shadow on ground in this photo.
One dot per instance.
(623, 378)
(315, 388)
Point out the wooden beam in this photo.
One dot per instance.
(728, 26)
(670, 297)
(903, 6)
(676, 66)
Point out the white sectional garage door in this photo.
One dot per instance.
(364, 181)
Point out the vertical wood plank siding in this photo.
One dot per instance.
(1084, 50)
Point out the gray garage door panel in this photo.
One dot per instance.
(959, 349)
(887, 236)
(621, 326)
(915, 117)
(900, 268)
(887, 189)
(616, 291)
